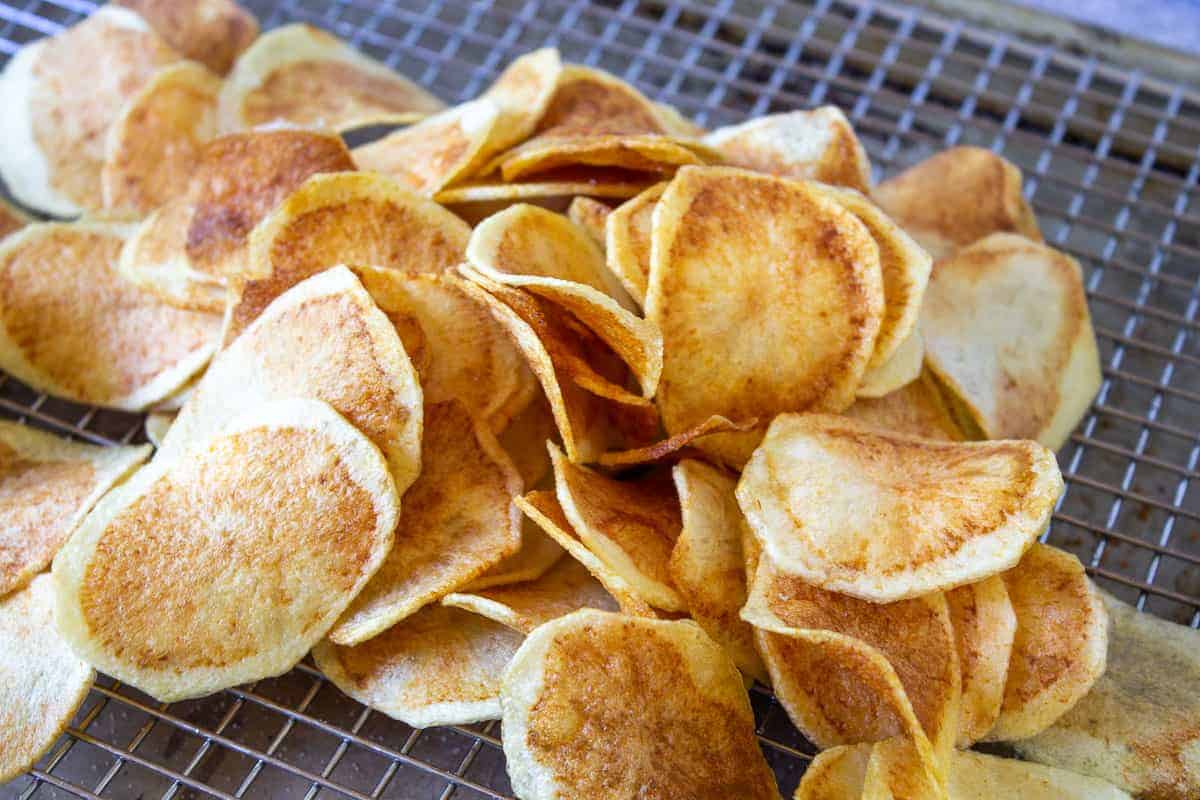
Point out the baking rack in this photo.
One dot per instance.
(1110, 159)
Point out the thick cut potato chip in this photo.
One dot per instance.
(592, 216)
(632, 525)
(299, 75)
(441, 666)
(154, 145)
(627, 240)
(590, 699)
(60, 95)
(155, 258)
(1139, 724)
(229, 563)
(1007, 331)
(884, 516)
(72, 326)
(957, 197)
(537, 555)
(978, 776)
(41, 681)
(525, 439)
(459, 521)
(674, 447)
(734, 251)
(916, 409)
(819, 145)
(899, 371)
(896, 771)
(47, 485)
(1060, 644)
(835, 774)
(213, 32)
(984, 626)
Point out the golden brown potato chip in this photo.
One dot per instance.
(984, 626)
(819, 145)
(590, 699)
(155, 258)
(651, 153)
(899, 371)
(300, 75)
(537, 555)
(978, 776)
(1138, 725)
(441, 666)
(72, 326)
(592, 216)
(674, 447)
(897, 770)
(957, 197)
(1008, 333)
(47, 485)
(229, 563)
(1060, 644)
(835, 774)
(213, 32)
(459, 521)
(525, 439)
(884, 516)
(60, 96)
(734, 251)
(627, 241)
(154, 145)
(41, 681)
(916, 409)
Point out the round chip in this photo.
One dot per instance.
(228, 564)
(883, 516)
(155, 258)
(916, 409)
(212, 32)
(590, 698)
(984, 626)
(627, 240)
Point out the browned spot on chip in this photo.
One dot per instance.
(213, 32)
(674, 447)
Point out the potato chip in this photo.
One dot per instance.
(819, 145)
(71, 326)
(707, 566)
(883, 516)
(12, 219)
(459, 521)
(675, 123)
(522, 93)
(42, 682)
(978, 776)
(984, 626)
(835, 774)
(55, 121)
(155, 258)
(266, 531)
(590, 699)
(537, 555)
(525, 439)
(592, 216)
(1060, 644)
(632, 525)
(896, 770)
(556, 184)
(47, 485)
(916, 409)
(674, 447)
(156, 426)
(213, 32)
(441, 666)
(957, 197)
(899, 371)
(1007, 331)
(300, 75)
(154, 145)
(627, 241)
(1137, 726)
(734, 251)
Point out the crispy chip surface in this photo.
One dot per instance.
(916, 409)
(835, 774)
(267, 530)
(213, 32)
(895, 771)
(154, 257)
(900, 370)
(521, 93)
(592, 216)
(627, 240)
(978, 776)
(590, 698)
(984, 626)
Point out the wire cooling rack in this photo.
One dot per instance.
(1110, 159)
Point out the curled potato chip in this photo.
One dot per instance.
(459, 521)
(916, 409)
(627, 240)
(735, 251)
(592, 216)
(835, 774)
(912, 516)
(441, 666)
(521, 93)
(154, 145)
(899, 371)
(957, 197)
(589, 699)
(1059, 648)
(984, 626)
(1008, 333)
(525, 439)
(213, 32)
(978, 776)
(154, 258)
(47, 485)
(537, 555)
(288, 482)
(897, 770)
(72, 326)
(300, 75)
(819, 145)
(42, 682)
(55, 121)
(675, 446)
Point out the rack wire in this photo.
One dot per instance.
(1110, 159)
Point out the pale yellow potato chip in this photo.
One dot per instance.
(957, 197)
(883, 516)
(562, 183)
(897, 770)
(228, 563)
(538, 553)
(521, 93)
(627, 241)
(300, 75)
(592, 216)
(525, 439)
(835, 774)
(733, 252)
(47, 485)
(441, 666)
(819, 145)
(213, 32)
(1007, 331)
(156, 426)
(978, 776)
(42, 682)
(899, 371)
(916, 409)
(674, 447)
(590, 699)
(1060, 644)
(984, 627)
(72, 326)
(459, 521)
(155, 258)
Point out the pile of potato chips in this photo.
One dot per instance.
(555, 408)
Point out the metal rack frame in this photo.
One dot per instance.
(1110, 158)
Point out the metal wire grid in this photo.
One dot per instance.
(1110, 158)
